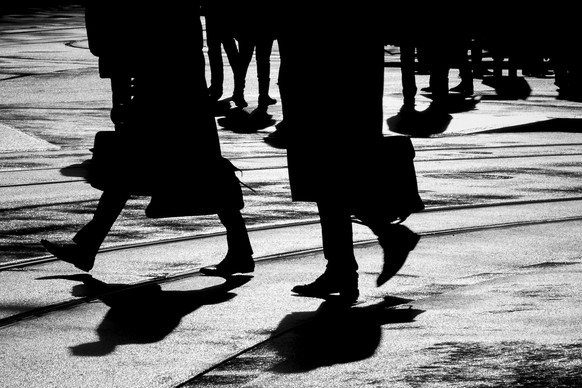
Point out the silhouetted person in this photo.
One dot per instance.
(107, 27)
(332, 152)
(256, 34)
(174, 140)
(463, 63)
(564, 54)
(220, 16)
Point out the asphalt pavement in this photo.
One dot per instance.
(490, 297)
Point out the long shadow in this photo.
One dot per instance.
(508, 88)
(419, 124)
(572, 125)
(335, 334)
(142, 314)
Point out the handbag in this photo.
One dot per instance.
(211, 190)
(397, 153)
(391, 187)
(118, 163)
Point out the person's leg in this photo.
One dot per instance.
(465, 87)
(395, 239)
(407, 69)
(92, 235)
(239, 257)
(341, 273)
(263, 56)
(246, 51)
(237, 236)
(213, 42)
(232, 53)
(88, 240)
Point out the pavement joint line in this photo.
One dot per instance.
(481, 157)
(429, 148)
(49, 258)
(499, 204)
(504, 225)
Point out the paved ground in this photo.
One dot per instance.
(489, 298)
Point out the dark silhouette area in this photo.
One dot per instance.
(241, 120)
(256, 34)
(335, 334)
(142, 314)
(551, 125)
(431, 50)
(336, 160)
(162, 140)
(514, 43)
(244, 30)
(221, 21)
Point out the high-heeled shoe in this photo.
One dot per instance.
(397, 242)
(230, 265)
(329, 283)
(71, 253)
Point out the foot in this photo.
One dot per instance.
(265, 101)
(327, 284)
(71, 253)
(214, 93)
(397, 242)
(239, 101)
(229, 266)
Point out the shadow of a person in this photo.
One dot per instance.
(143, 314)
(420, 124)
(240, 120)
(335, 334)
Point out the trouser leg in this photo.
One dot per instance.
(110, 205)
(337, 238)
(237, 236)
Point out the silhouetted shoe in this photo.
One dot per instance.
(239, 101)
(214, 93)
(397, 242)
(328, 283)
(265, 101)
(71, 253)
(230, 265)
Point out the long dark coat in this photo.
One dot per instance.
(331, 82)
(171, 128)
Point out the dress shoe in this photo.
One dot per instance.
(397, 242)
(71, 253)
(229, 266)
(328, 283)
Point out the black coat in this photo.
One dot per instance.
(331, 82)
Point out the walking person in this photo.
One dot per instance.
(173, 141)
(256, 35)
(333, 151)
(220, 34)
